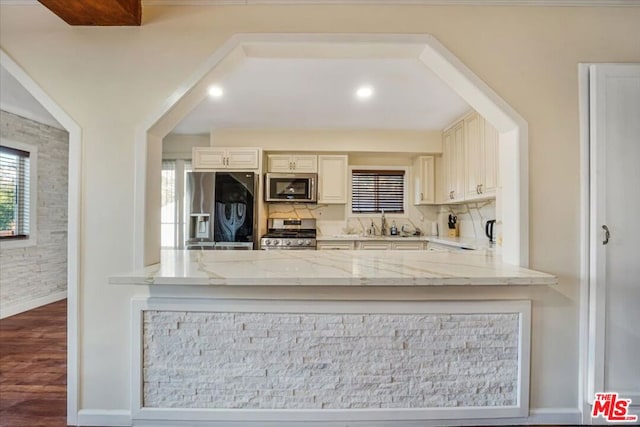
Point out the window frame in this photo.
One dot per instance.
(32, 238)
(405, 200)
(181, 167)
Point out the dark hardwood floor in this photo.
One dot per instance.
(33, 367)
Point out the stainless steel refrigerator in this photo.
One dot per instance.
(221, 210)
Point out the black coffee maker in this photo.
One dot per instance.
(490, 230)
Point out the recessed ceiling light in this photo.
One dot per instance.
(364, 92)
(215, 91)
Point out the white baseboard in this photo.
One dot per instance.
(104, 417)
(21, 307)
(121, 418)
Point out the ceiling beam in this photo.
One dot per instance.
(97, 12)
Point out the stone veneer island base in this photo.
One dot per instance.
(236, 351)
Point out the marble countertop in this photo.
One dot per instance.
(332, 268)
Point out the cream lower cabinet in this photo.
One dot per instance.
(207, 158)
(408, 246)
(381, 245)
(323, 245)
(370, 245)
(333, 177)
(376, 245)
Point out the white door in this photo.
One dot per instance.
(614, 259)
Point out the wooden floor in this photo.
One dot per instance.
(33, 367)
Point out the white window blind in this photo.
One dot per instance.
(14, 193)
(374, 191)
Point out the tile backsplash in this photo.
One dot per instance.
(334, 219)
(472, 218)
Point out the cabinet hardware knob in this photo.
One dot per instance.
(480, 187)
(421, 196)
(607, 234)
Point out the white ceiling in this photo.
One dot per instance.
(319, 93)
(15, 99)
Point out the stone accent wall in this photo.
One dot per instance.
(36, 272)
(328, 361)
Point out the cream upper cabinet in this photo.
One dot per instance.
(206, 158)
(333, 176)
(290, 163)
(453, 164)
(481, 158)
(491, 161)
(474, 155)
(424, 174)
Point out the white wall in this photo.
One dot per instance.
(111, 79)
(175, 146)
(36, 275)
(384, 141)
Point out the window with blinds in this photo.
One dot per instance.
(14, 193)
(374, 191)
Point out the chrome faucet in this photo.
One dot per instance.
(383, 224)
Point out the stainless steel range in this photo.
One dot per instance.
(289, 234)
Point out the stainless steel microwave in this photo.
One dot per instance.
(290, 187)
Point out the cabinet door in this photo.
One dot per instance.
(305, 163)
(282, 163)
(457, 162)
(453, 162)
(334, 245)
(474, 155)
(242, 158)
(407, 246)
(424, 180)
(208, 158)
(490, 183)
(374, 246)
(332, 179)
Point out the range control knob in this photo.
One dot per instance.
(300, 242)
(307, 242)
(288, 242)
(276, 242)
(267, 242)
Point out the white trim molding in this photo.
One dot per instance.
(382, 417)
(104, 417)
(21, 307)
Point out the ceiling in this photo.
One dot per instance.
(319, 93)
(15, 99)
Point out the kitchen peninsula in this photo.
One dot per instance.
(269, 336)
(332, 268)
